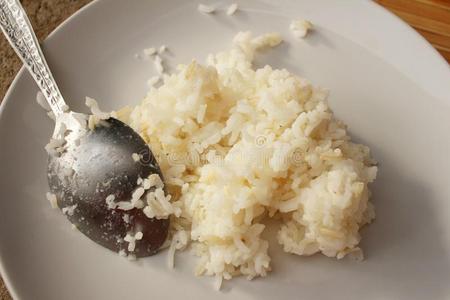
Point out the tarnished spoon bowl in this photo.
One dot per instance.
(93, 163)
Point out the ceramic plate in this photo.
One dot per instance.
(386, 82)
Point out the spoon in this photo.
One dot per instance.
(90, 165)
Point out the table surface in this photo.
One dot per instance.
(431, 18)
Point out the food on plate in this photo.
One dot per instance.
(207, 9)
(300, 28)
(231, 10)
(238, 145)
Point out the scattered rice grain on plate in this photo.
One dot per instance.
(179, 241)
(40, 99)
(153, 80)
(162, 49)
(207, 9)
(231, 10)
(218, 282)
(65, 108)
(54, 146)
(97, 115)
(52, 199)
(300, 27)
(95, 110)
(149, 52)
(51, 115)
(159, 64)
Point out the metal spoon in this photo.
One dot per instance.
(89, 165)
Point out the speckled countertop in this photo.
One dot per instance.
(45, 15)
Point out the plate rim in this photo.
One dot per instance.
(438, 61)
(3, 272)
(411, 29)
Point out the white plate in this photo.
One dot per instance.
(386, 83)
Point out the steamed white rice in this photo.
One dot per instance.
(300, 27)
(238, 145)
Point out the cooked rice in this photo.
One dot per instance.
(69, 210)
(40, 99)
(162, 49)
(237, 145)
(52, 199)
(158, 62)
(300, 28)
(149, 52)
(207, 9)
(231, 10)
(136, 157)
(153, 81)
(131, 239)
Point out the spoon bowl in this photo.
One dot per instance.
(91, 167)
(97, 164)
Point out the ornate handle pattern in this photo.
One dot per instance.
(17, 29)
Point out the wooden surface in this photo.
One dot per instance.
(431, 18)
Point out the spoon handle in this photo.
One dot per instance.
(18, 31)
